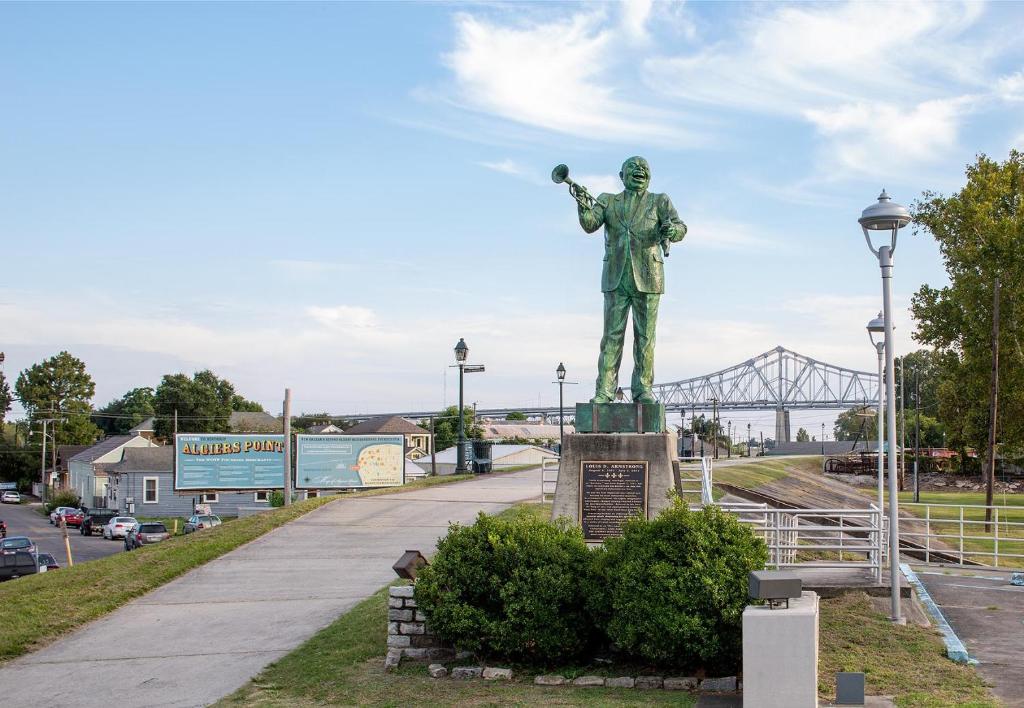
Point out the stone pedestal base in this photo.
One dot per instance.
(780, 655)
(658, 450)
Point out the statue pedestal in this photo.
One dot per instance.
(620, 418)
(605, 478)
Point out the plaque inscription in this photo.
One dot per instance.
(610, 492)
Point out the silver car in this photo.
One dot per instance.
(201, 521)
(119, 526)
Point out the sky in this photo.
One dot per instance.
(327, 196)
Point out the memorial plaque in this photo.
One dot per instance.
(610, 492)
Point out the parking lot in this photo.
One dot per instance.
(25, 520)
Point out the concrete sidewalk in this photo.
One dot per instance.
(202, 636)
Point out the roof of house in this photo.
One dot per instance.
(325, 429)
(145, 426)
(66, 452)
(495, 431)
(91, 454)
(149, 459)
(832, 447)
(255, 422)
(386, 424)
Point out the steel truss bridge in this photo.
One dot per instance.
(779, 380)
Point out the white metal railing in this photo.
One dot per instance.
(548, 478)
(960, 530)
(701, 485)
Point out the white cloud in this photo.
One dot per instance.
(1011, 87)
(725, 235)
(556, 75)
(507, 166)
(635, 14)
(343, 316)
(596, 184)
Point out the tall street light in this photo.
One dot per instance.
(560, 373)
(888, 216)
(461, 352)
(877, 327)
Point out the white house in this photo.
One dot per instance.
(87, 471)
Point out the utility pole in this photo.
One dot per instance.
(714, 416)
(729, 436)
(993, 408)
(762, 443)
(748, 439)
(42, 462)
(822, 439)
(433, 448)
(287, 447)
(917, 431)
(903, 425)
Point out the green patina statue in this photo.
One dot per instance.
(638, 228)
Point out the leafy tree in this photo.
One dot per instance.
(516, 415)
(126, 412)
(857, 423)
(446, 427)
(60, 387)
(5, 397)
(308, 420)
(239, 403)
(802, 436)
(203, 403)
(980, 233)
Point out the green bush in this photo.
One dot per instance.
(63, 497)
(674, 588)
(277, 498)
(510, 588)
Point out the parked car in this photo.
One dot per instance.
(202, 521)
(17, 563)
(46, 562)
(145, 534)
(96, 520)
(10, 498)
(57, 512)
(73, 517)
(119, 526)
(17, 543)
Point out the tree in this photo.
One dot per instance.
(203, 403)
(307, 420)
(124, 413)
(856, 423)
(980, 233)
(515, 415)
(60, 387)
(5, 397)
(802, 436)
(239, 403)
(446, 427)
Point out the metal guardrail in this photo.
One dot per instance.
(548, 478)
(956, 531)
(701, 485)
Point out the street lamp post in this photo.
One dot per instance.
(461, 352)
(877, 326)
(560, 373)
(888, 216)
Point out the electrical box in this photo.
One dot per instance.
(774, 585)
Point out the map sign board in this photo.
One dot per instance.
(349, 461)
(205, 461)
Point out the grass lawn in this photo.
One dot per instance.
(39, 608)
(763, 470)
(343, 665)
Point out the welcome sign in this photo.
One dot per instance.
(349, 461)
(218, 461)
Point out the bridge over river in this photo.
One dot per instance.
(779, 380)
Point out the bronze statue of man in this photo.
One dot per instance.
(638, 227)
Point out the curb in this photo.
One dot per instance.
(955, 648)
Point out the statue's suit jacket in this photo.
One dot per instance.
(634, 239)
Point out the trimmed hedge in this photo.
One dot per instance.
(675, 587)
(512, 588)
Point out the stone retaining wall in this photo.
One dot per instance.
(408, 633)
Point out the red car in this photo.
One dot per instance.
(73, 517)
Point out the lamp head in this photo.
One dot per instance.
(877, 325)
(560, 371)
(884, 215)
(461, 350)
(619, 394)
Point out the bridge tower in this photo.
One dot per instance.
(782, 431)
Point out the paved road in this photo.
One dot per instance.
(987, 613)
(25, 520)
(205, 634)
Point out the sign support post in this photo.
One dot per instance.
(287, 447)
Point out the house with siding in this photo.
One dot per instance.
(418, 441)
(87, 470)
(142, 484)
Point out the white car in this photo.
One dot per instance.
(58, 512)
(119, 526)
(10, 498)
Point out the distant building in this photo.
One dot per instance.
(523, 431)
(325, 429)
(254, 422)
(832, 447)
(88, 470)
(417, 440)
(64, 455)
(502, 457)
(145, 429)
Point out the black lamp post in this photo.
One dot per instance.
(560, 373)
(461, 352)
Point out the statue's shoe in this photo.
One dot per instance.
(601, 398)
(645, 398)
